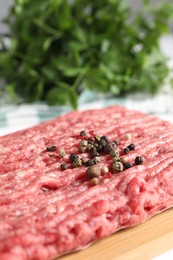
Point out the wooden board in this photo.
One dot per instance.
(144, 241)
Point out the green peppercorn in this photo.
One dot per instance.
(97, 138)
(83, 143)
(64, 166)
(96, 159)
(77, 162)
(88, 147)
(73, 157)
(138, 160)
(62, 153)
(131, 147)
(114, 153)
(118, 166)
(51, 148)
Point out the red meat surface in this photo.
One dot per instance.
(46, 211)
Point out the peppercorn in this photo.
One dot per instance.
(103, 142)
(126, 150)
(82, 133)
(83, 143)
(90, 163)
(127, 136)
(62, 153)
(93, 171)
(51, 148)
(64, 166)
(82, 149)
(118, 166)
(95, 181)
(115, 159)
(105, 138)
(104, 170)
(88, 147)
(121, 159)
(127, 165)
(109, 147)
(93, 152)
(116, 142)
(114, 153)
(91, 141)
(97, 138)
(96, 159)
(138, 160)
(99, 148)
(77, 162)
(131, 147)
(73, 157)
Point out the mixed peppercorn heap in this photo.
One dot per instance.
(96, 147)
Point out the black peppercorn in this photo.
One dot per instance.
(103, 142)
(116, 142)
(109, 147)
(127, 165)
(93, 152)
(99, 148)
(105, 138)
(138, 160)
(126, 150)
(82, 133)
(131, 147)
(51, 148)
(90, 163)
(91, 141)
(64, 166)
(74, 157)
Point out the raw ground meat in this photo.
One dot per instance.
(47, 212)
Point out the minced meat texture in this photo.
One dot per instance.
(46, 211)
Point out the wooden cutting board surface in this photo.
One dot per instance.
(142, 242)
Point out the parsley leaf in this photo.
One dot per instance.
(59, 47)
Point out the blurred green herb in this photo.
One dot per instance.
(59, 47)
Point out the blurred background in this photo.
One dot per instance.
(5, 4)
(59, 65)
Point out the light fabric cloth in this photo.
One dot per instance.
(13, 118)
